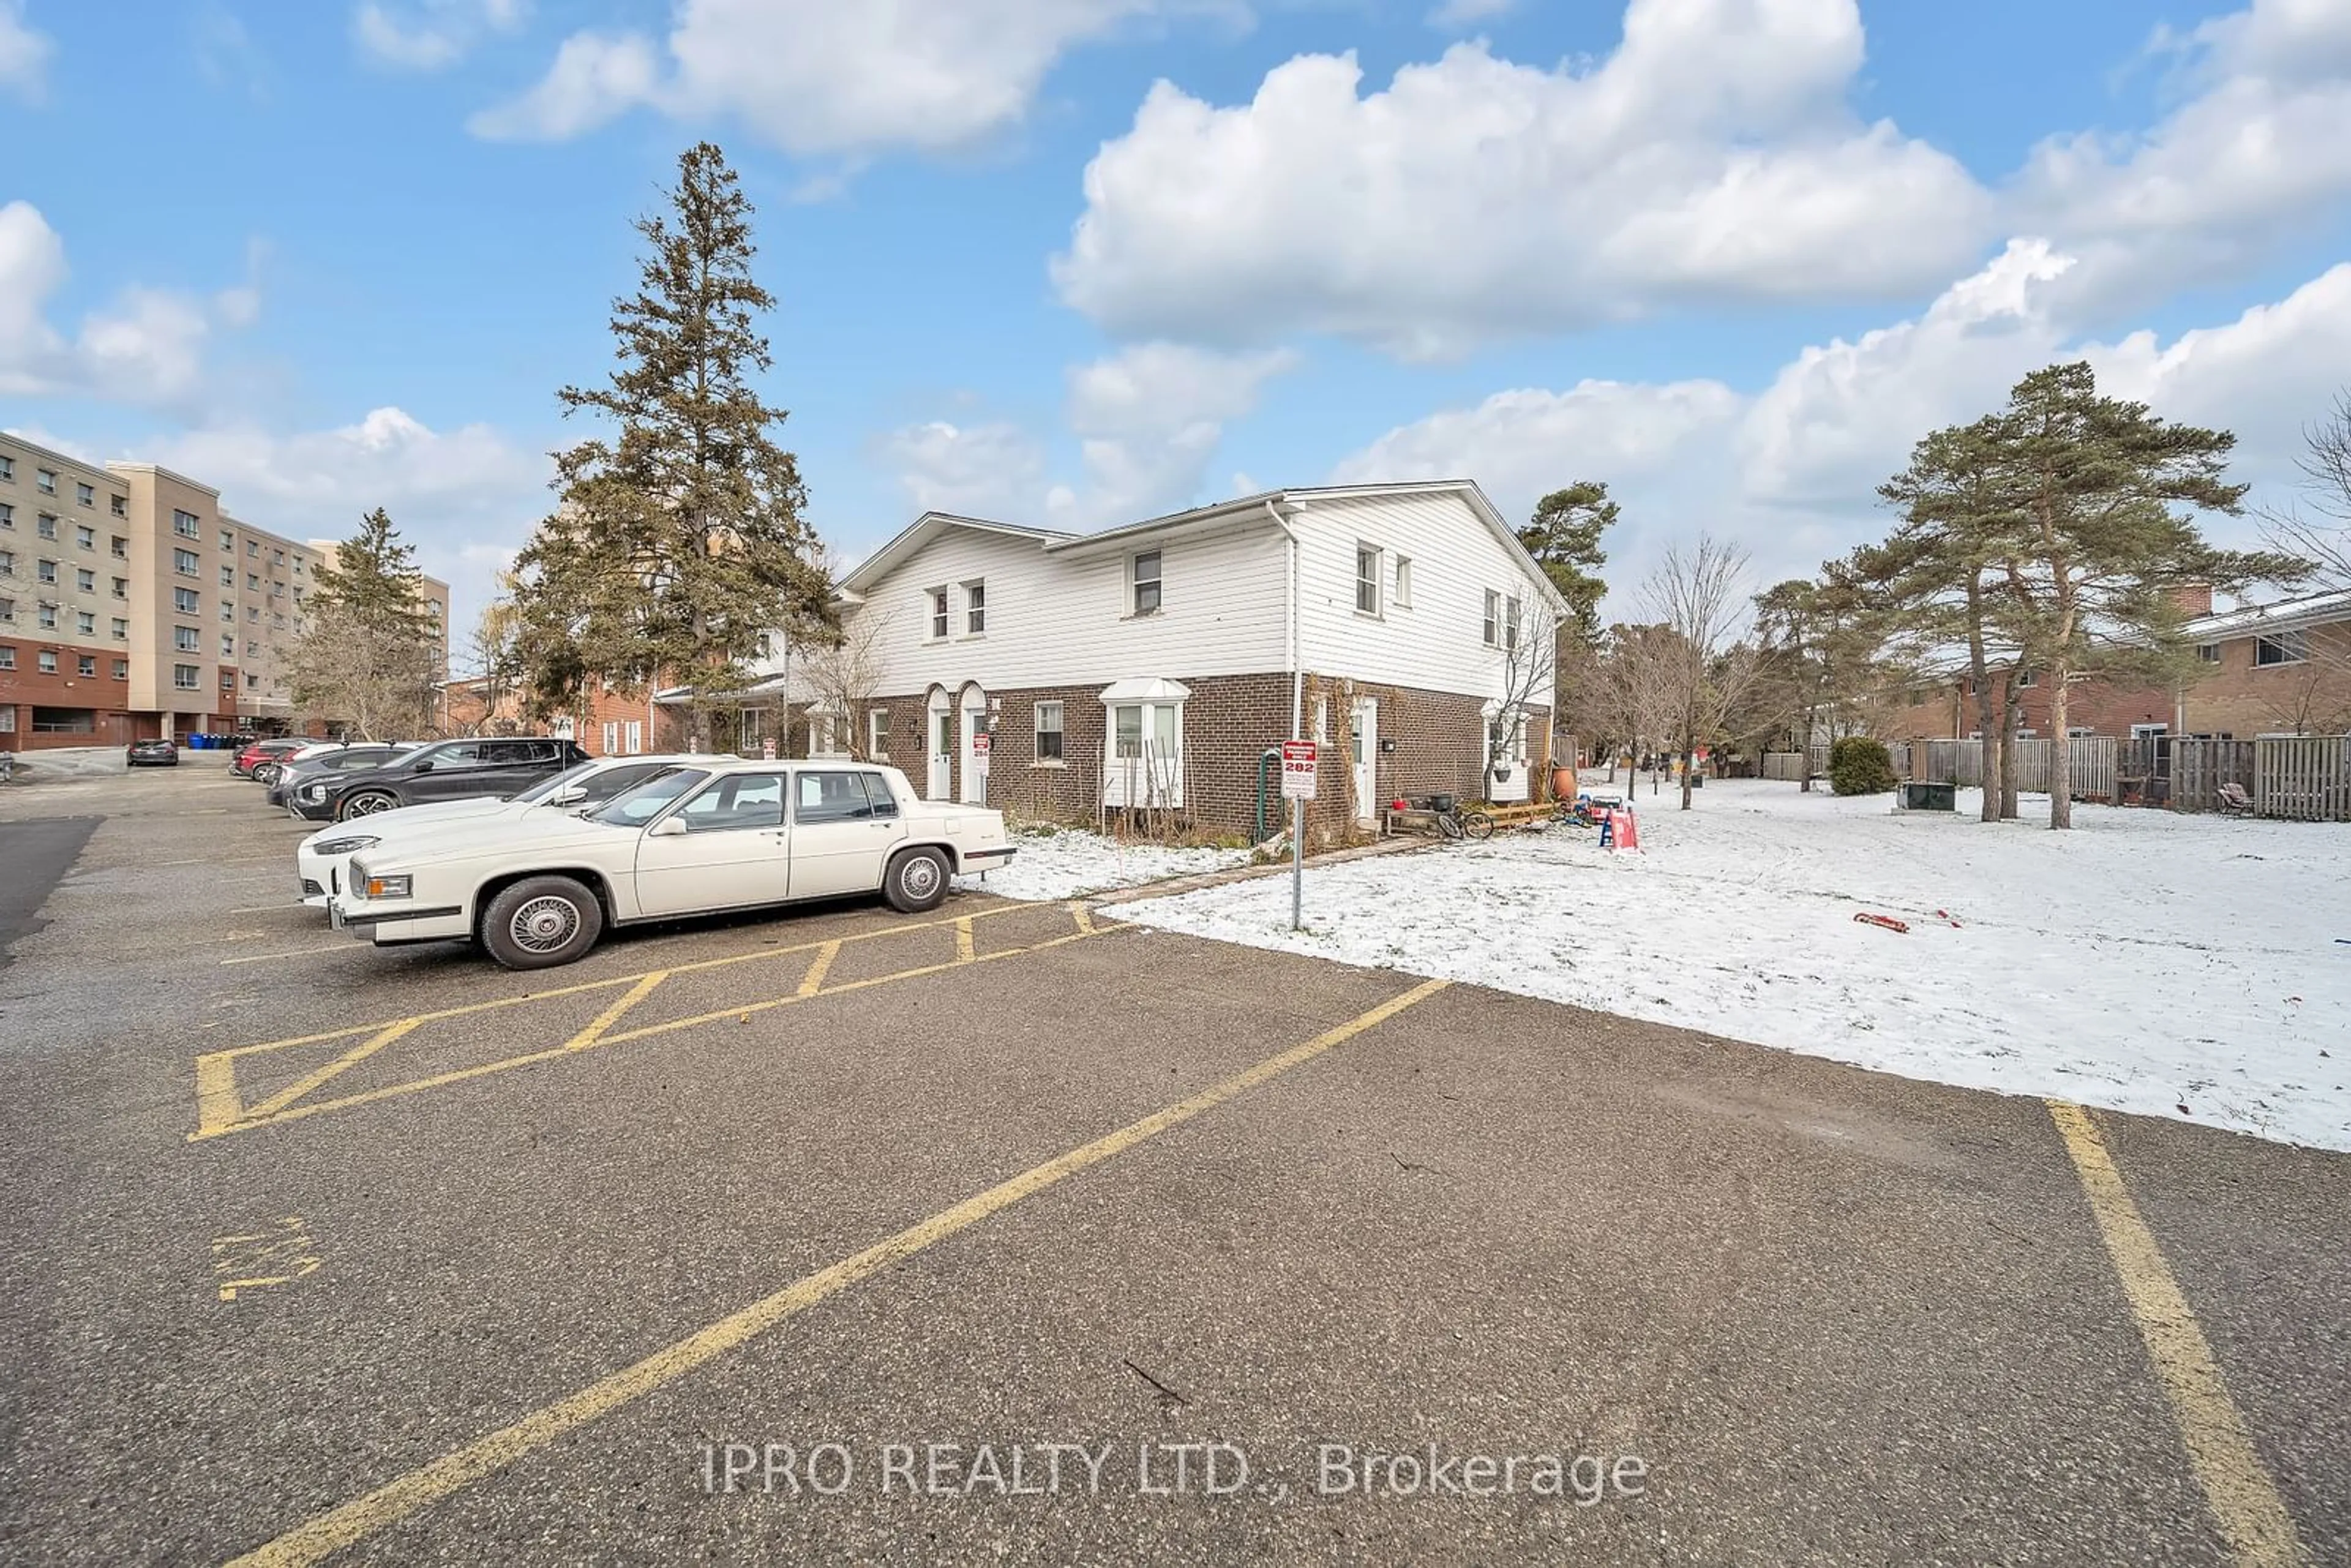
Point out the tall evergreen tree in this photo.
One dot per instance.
(1564, 536)
(369, 655)
(2103, 494)
(680, 537)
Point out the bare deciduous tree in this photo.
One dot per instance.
(1699, 596)
(1526, 659)
(843, 675)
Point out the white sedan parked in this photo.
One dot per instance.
(319, 861)
(539, 889)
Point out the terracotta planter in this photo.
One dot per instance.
(1562, 783)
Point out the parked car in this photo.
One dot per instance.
(257, 752)
(318, 762)
(437, 771)
(319, 859)
(541, 890)
(151, 754)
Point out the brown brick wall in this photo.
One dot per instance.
(2240, 698)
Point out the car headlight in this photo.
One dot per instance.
(388, 886)
(344, 846)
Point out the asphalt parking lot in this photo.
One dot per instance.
(1014, 1232)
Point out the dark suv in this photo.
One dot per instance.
(443, 770)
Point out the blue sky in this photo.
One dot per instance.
(1731, 255)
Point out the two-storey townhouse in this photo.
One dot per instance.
(1154, 666)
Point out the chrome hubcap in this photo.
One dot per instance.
(544, 924)
(919, 876)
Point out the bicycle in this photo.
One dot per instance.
(1454, 823)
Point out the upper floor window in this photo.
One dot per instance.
(2281, 648)
(45, 480)
(86, 494)
(1493, 618)
(122, 588)
(185, 563)
(975, 612)
(1367, 579)
(85, 579)
(185, 639)
(228, 576)
(1402, 596)
(253, 549)
(2027, 678)
(46, 525)
(184, 677)
(228, 539)
(86, 538)
(7, 515)
(48, 662)
(184, 601)
(1147, 584)
(185, 524)
(2208, 652)
(938, 613)
(8, 467)
(45, 570)
(118, 547)
(118, 505)
(1511, 624)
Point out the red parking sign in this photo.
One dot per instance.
(1299, 770)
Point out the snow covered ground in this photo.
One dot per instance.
(1070, 861)
(2143, 962)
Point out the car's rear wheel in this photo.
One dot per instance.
(916, 880)
(541, 922)
(264, 774)
(366, 803)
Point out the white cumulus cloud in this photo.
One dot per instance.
(429, 35)
(821, 78)
(24, 54)
(1710, 159)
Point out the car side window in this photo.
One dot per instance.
(877, 793)
(448, 758)
(736, 801)
(530, 754)
(825, 796)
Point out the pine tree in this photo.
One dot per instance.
(680, 537)
(369, 655)
(2103, 493)
(1564, 537)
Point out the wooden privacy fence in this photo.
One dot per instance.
(1789, 766)
(2305, 778)
(2091, 757)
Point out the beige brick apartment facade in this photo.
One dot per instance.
(132, 605)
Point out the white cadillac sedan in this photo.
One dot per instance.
(538, 890)
(320, 860)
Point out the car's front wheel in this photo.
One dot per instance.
(264, 774)
(541, 922)
(366, 803)
(916, 880)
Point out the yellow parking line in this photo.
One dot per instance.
(963, 940)
(813, 981)
(613, 1015)
(2244, 1501)
(219, 1113)
(341, 1064)
(297, 952)
(387, 1505)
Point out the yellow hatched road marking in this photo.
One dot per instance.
(613, 1015)
(365, 1515)
(2244, 1501)
(343, 1064)
(219, 1110)
(813, 981)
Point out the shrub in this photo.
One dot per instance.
(1860, 766)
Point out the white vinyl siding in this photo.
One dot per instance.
(1056, 621)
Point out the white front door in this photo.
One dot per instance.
(1365, 755)
(942, 751)
(1509, 780)
(974, 765)
(734, 849)
(844, 824)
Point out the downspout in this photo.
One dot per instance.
(1289, 626)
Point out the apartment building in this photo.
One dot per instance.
(132, 605)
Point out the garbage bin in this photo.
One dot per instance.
(1930, 796)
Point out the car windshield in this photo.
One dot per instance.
(547, 786)
(643, 803)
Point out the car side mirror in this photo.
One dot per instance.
(570, 795)
(424, 766)
(667, 828)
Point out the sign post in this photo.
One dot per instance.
(1300, 767)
